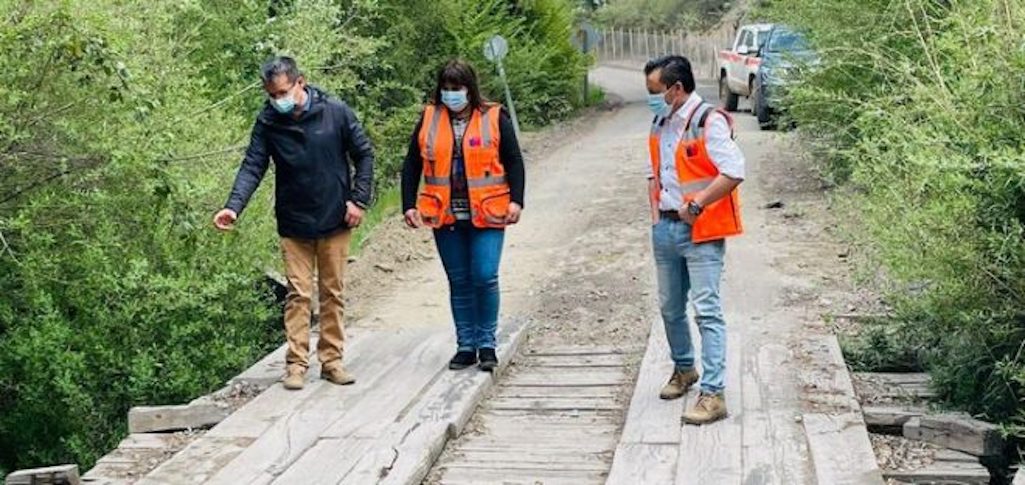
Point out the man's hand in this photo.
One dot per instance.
(413, 219)
(225, 219)
(353, 214)
(686, 216)
(514, 213)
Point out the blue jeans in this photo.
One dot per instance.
(471, 257)
(685, 267)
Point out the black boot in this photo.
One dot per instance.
(462, 360)
(488, 359)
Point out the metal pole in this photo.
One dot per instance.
(508, 98)
(587, 48)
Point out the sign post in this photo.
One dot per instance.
(495, 49)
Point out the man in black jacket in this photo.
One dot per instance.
(311, 137)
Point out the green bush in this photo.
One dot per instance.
(662, 14)
(917, 108)
(121, 128)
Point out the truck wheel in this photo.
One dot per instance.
(727, 97)
(766, 119)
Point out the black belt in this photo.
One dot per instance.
(671, 215)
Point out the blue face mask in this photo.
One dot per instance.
(286, 103)
(658, 105)
(455, 100)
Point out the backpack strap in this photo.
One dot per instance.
(707, 110)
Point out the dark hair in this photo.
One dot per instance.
(459, 73)
(674, 69)
(277, 66)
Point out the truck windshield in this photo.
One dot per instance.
(786, 41)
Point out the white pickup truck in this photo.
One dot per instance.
(739, 64)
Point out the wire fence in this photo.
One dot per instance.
(638, 45)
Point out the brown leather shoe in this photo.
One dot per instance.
(709, 409)
(295, 380)
(678, 384)
(337, 375)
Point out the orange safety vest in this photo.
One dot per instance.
(695, 171)
(485, 175)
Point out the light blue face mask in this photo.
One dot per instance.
(658, 105)
(455, 100)
(284, 104)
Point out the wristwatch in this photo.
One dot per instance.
(694, 208)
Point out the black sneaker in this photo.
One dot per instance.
(488, 360)
(462, 360)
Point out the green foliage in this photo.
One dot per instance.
(918, 110)
(661, 14)
(121, 128)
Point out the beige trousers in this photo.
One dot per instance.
(304, 258)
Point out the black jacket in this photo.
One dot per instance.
(509, 156)
(311, 157)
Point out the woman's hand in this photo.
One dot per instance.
(413, 219)
(514, 213)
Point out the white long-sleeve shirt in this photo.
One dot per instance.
(722, 149)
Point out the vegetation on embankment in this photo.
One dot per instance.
(121, 125)
(917, 114)
(659, 15)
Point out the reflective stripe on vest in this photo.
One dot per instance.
(443, 181)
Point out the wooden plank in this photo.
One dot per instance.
(385, 402)
(955, 456)
(578, 350)
(198, 461)
(284, 443)
(757, 448)
(649, 418)
(890, 416)
(51, 475)
(553, 404)
(649, 445)
(405, 450)
(580, 443)
(788, 446)
(643, 463)
(593, 392)
(713, 454)
(940, 473)
(199, 415)
(268, 370)
(840, 449)
(587, 360)
(594, 377)
(509, 462)
(363, 357)
(829, 385)
(895, 385)
(506, 476)
(958, 432)
(326, 461)
(543, 458)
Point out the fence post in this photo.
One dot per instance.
(629, 48)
